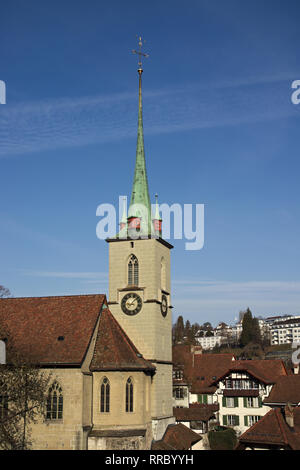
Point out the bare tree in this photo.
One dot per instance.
(23, 395)
(4, 292)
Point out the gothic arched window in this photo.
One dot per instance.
(163, 274)
(55, 402)
(129, 396)
(104, 395)
(133, 271)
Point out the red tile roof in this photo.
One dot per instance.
(114, 350)
(177, 437)
(266, 371)
(194, 413)
(201, 369)
(34, 325)
(285, 390)
(272, 430)
(207, 367)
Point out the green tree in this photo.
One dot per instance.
(178, 330)
(250, 330)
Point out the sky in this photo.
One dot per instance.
(220, 130)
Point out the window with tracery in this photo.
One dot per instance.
(55, 402)
(105, 395)
(133, 271)
(129, 396)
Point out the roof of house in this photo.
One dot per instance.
(272, 430)
(194, 413)
(207, 367)
(57, 331)
(266, 371)
(285, 390)
(177, 437)
(114, 350)
(200, 369)
(50, 330)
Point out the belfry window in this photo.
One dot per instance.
(129, 396)
(105, 396)
(133, 271)
(55, 402)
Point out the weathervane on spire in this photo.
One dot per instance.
(140, 54)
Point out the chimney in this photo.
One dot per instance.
(2, 352)
(195, 350)
(289, 415)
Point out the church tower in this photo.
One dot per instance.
(139, 283)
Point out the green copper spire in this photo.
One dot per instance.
(140, 191)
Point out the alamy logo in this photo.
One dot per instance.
(187, 221)
(296, 95)
(2, 92)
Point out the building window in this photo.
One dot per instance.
(250, 420)
(55, 402)
(133, 271)
(178, 393)
(230, 402)
(163, 274)
(177, 374)
(252, 402)
(231, 420)
(104, 395)
(3, 406)
(129, 396)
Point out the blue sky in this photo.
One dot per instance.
(220, 130)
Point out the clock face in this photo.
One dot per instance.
(131, 304)
(164, 305)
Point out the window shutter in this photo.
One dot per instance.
(236, 420)
(260, 402)
(246, 420)
(199, 398)
(225, 420)
(224, 401)
(205, 399)
(245, 403)
(236, 402)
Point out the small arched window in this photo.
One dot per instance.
(163, 275)
(105, 395)
(129, 396)
(55, 402)
(133, 271)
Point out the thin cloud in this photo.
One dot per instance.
(63, 123)
(89, 276)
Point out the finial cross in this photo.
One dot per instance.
(140, 53)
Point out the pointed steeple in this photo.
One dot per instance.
(140, 191)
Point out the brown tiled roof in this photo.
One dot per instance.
(180, 437)
(50, 330)
(114, 350)
(194, 413)
(161, 445)
(206, 368)
(266, 371)
(200, 369)
(285, 390)
(211, 406)
(272, 430)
